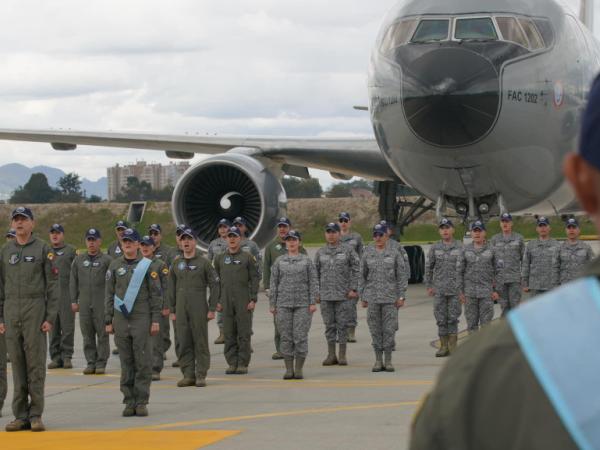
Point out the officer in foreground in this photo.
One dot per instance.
(62, 336)
(189, 278)
(514, 387)
(132, 312)
(442, 284)
(28, 308)
(238, 275)
(508, 247)
(338, 271)
(216, 247)
(294, 293)
(87, 286)
(573, 254)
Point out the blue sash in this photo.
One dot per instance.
(126, 305)
(567, 366)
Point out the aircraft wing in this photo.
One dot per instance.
(342, 157)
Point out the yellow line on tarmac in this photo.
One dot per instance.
(300, 412)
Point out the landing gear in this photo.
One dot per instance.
(400, 214)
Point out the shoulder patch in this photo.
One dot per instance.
(50, 256)
(154, 275)
(108, 275)
(165, 271)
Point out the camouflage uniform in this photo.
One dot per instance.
(337, 270)
(509, 252)
(440, 275)
(383, 280)
(355, 241)
(540, 270)
(62, 336)
(3, 380)
(87, 285)
(274, 250)
(476, 277)
(28, 297)
(294, 286)
(132, 332)
(572, 258)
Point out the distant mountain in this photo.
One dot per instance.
(14, 175)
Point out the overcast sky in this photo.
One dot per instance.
(228, 67)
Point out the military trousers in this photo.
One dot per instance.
(237, 328)
(353, 313)
(27, 345)
(446, 310)
(96, 347)
(192, 334)
(3, 380)
(293, 325)
(160, 344)
(479, 311)
(510, 296)
(175, 338)
(220, 320)
(132, 337)
(382, 319)
(62, 336)
(336, 317)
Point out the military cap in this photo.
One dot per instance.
(147, 240)
(284, 221)
(22, 211)
(332, 227)
(224, 223)
(155, 227)
(542, 220)
(235, 231)
(239, 221)
(572, 222)
(187, 231)
(478, 225)
(131, 235)
(344, 216)
(293, 234)
(93, 233)
(379, 229)
(445, 223)
(121, 224)
(506, 217)
(57, 227)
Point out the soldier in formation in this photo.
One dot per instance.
(337, 268)
(238, 275)
(190, 277)
(354, 240)
(383, 283)
(87, 285)
(476, 277)
(132, 312)
(62, 336)
(294, 292)
(573, 254)
(216, 247)
(442, 284)
(540, 271)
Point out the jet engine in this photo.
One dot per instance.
(228, 186)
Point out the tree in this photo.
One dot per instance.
(135, 190)
(302, 188)
(70, 188)
(93, 199)
(36, 190)
(339, 190)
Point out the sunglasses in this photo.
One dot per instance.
(344, 221)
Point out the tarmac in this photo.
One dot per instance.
(333, 407)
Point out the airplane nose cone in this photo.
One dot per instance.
(451, 96)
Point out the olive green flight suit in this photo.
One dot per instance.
(238, 275)
(274, 250)
(188, 281)
(87, 286)
(3, 380)
(166, 253)
(160, 267)
(62, 337)
(132, 333)
(28, 298)
(114, 250)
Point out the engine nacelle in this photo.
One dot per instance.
(229, 185)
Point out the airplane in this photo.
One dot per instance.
(473, 104)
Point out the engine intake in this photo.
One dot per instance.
(229, 185)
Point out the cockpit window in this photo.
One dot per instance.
(545, 30)
(511, 31)
(481, 28)
(398, 34)
(535, 40)
(432, 30)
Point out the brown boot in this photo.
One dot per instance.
(185, 382)
(331, 358)
(141, 410)
(18, 425)
(342, 356)
(200, 382)
(89, 370)
(221, 338)
(443, 351)
(37, 424)
(388, 362)
(67, 364)
(378, 366)
(351, 334)
(55, 365)
(298, 375)
(289, 369)
(452, 340)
